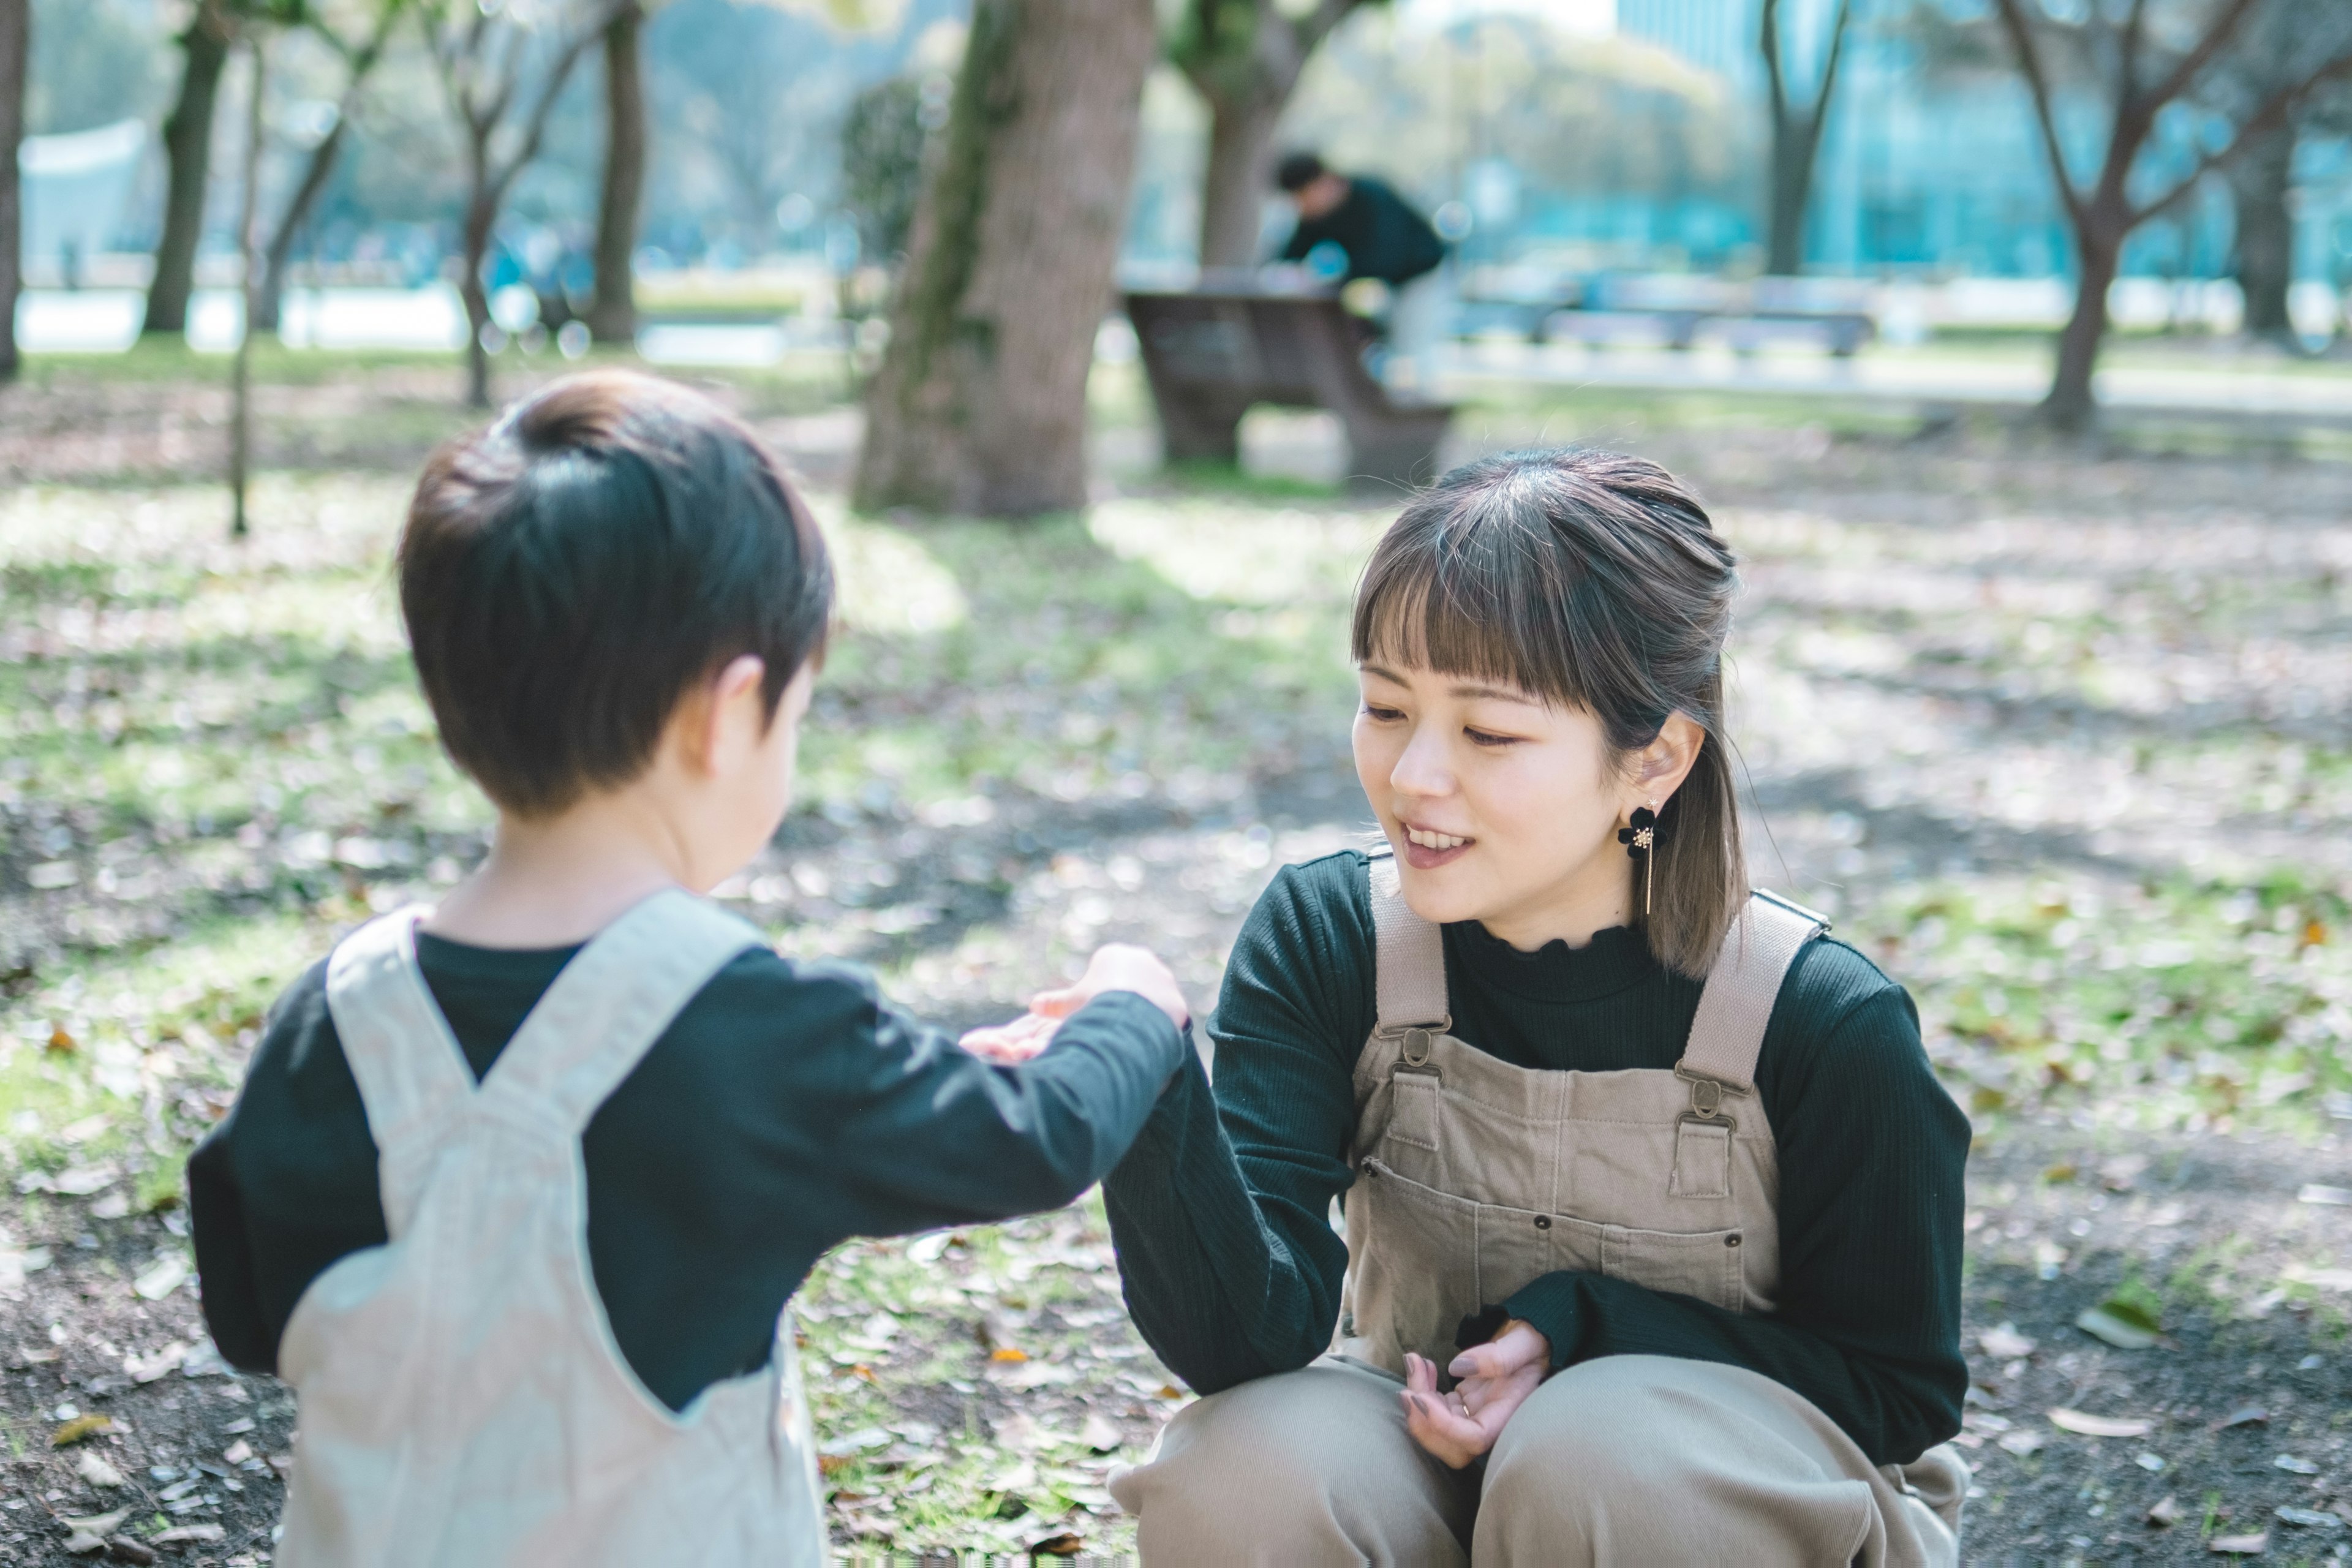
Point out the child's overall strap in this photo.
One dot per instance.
(1408, 955)
(1728, 1034)
(611, 1002)
(412, 1074)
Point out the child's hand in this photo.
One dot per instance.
(1497, 1379)
(1118, 967)
(1009, 1044)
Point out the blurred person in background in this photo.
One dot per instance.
(1381, 237)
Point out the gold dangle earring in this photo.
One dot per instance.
(1641, 840)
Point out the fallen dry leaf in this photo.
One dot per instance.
(2087, 1425)
(2243, 1416)
(1066, 1544)
(1100, 1435)
(79, 1427)
(2252, 1545)
(2320, 1192)
(93, 1468)
(97, 1523)
(236, 1453)
(2164, 1511)
(162, 1277)
(2024, 1441)
(192, 1533)
(2003, 1342)
(150, 1367)
(2308, 1518)
(2103, 1322)
(1007, 1352)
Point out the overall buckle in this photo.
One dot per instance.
(1415, 1040)
(1707, 1098)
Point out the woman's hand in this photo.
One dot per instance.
(1117, 966)
(1114, 967)
(1497, 1378)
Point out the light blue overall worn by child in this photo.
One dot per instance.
(462, 1398)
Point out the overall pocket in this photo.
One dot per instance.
(1417, 1276)
(1703, 1264)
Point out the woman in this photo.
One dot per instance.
(1652, 1201)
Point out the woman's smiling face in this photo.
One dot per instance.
(1503, 809)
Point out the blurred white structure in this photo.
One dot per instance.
(77, 193)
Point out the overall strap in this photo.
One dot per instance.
(1409, 959)
(412, 1074)
(611, 1002)
(1728, 1032)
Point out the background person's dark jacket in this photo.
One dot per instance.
(1383, 238)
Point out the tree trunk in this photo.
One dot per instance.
(272, 293)
(481, 214)
(188, 149)
(979, 403)
(15, 39)
(1233, 190)
(248, 246)
(2258, 184)
(613, 317)
(1794, 145)
(2071, 406)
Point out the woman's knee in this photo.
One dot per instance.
(1306, 1467)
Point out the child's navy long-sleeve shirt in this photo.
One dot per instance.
(1220, 1212)
(785, 1109)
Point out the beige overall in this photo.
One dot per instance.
(462, 1400)
(1476, 1177)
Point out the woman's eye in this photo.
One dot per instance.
(1384, 715)
(1482, 738)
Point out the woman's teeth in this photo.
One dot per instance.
(1428, 840)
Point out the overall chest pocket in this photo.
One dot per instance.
(1517, 1247)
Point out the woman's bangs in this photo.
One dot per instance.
(1464, 614)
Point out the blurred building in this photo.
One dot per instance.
(1928, 166)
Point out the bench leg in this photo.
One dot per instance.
(1197, 429)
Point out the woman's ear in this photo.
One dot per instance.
(1659, 767)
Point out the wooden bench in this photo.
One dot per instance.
(1210, 355)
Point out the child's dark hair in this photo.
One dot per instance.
(569, 574)
(1595, 582)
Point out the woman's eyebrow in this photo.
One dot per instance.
(1496, 693)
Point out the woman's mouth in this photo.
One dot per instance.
(1425, 849)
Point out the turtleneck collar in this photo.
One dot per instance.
(1613, 959)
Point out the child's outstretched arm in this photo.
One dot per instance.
(930, 1136)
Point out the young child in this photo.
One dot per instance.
(517, 1188)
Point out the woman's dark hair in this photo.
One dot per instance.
(1595, 582)
(570, 572)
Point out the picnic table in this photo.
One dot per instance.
(1211, 353)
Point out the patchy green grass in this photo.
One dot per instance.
(2182, 1004)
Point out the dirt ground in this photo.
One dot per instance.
(1971, 669)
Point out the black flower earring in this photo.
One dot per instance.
(1641, 842)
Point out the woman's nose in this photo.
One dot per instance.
(1423, 768)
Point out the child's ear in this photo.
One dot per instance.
(710, 720)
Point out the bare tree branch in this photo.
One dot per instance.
(2037, 82)
(2184, 71)
(1830, 67)
(2268, 116)
(2129, 50)
(1770, 44)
